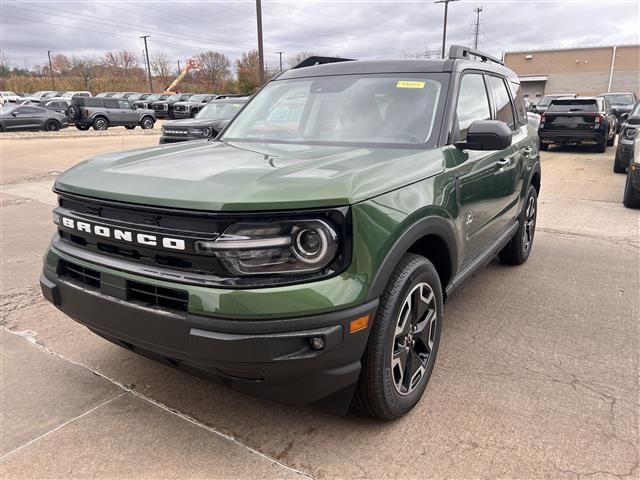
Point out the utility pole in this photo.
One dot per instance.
(444, 28)
(53, 80)
(260, 49)
(179, 69)
(146, 53)
(476, 33)
(280, 53)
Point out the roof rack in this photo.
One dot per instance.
(458, 51)
(311, 61)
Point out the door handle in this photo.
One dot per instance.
(504, 162)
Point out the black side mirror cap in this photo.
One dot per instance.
(487, 135)
(624, 116)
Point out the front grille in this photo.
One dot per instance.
(179, 108)
(129, 290)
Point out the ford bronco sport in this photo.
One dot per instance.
(305, 253)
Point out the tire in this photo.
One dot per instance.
(619, 167)
(611, 141)
(100, 123)
(146, 123)
(544, 147)
(129, 127)
(517, 251)
(382, 391)
(601, 147)
(73, 112)
(82, 127)
(631, 196)
(51, 126)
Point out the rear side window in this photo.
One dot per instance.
(518, 100)
(28, 110)
(504, 110)
(473, 103)
(89, 102)
(109, 103)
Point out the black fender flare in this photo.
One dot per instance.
(431, 225)
(536, 169)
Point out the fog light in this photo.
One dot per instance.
(317, 343)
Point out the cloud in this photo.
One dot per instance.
(357, 29)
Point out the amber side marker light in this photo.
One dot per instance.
(359, 324)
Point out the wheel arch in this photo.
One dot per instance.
(433, 238)
(100, 115)
(535, 178)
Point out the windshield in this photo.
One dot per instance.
(219, 110)
(155, 96)
(377, 109)
(620, 99)
(573, 106)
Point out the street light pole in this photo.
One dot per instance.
(146, 53)
(260, 49)
(53, 80)
(444, 28)
(280, 53)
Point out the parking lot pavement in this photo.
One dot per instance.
(537, 375)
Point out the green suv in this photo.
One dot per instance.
(305, 254)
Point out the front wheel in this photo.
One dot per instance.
(631, 197)
(403, 343)
(517, 251)
(146, 123)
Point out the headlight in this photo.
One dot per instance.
(205, 132)
(285, 247)
(629, 133)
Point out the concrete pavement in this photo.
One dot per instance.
(537, 375)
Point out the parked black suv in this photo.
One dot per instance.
(621, 104)
(580, 120)
(627, 140)
(146, 102)
(164, 108)
(213, 117)
(104, 112)
(189, 108)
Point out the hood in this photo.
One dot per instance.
(216, 176)
(191, 122)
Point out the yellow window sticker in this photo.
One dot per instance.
(408, 84)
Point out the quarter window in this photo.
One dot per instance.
(504, 110)
(473, 103)
(521, 109)
(111, 104)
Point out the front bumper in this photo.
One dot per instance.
(272, 358)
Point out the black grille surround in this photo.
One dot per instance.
(136, 292)
(189, 266)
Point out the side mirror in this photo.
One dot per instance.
(624, 116)
(486, 135)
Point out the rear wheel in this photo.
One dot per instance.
(631, 197)
(146, 123)
(403, 343)
(601, 147)
(611, 141)
(518, 249)
(52, 126)
(100, 123)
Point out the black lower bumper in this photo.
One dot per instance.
(273, 359)
(624, 153)
(572, 137)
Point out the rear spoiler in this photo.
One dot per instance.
(311, 61)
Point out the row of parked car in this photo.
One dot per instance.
(50, 111)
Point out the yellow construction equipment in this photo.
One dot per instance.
(191, 65)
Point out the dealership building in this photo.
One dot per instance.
(585, 71)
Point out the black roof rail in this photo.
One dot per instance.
(311, 61)
(458, 51)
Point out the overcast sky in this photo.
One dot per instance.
(356, 29)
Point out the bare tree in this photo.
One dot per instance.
(248, 68)
(120, 62)
(85, 67)
(5, 66)
(160, 66)
(61, 63)
(215, 69)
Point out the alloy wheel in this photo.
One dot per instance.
(529, 224)
(413, 338)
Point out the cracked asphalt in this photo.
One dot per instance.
(537, 375)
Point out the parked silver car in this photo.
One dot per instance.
(104, 112)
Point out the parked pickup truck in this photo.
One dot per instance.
(580, 120)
